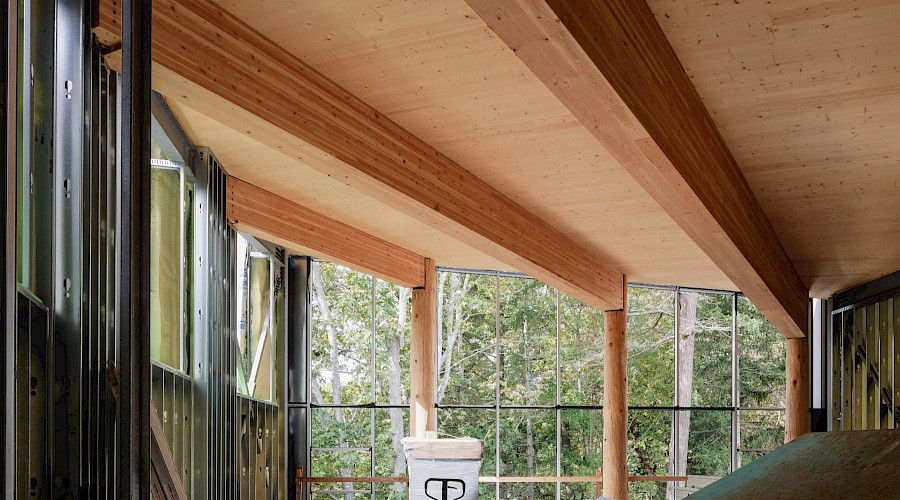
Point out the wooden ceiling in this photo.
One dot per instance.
(802, 94)
(807, 96)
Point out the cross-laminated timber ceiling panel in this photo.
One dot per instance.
(806, 94)
(228, 65)
(437, 70)
(610, 63)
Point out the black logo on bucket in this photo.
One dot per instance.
(445, 489)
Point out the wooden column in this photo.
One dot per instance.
(797, 409)
(422, 355)
(615, 407)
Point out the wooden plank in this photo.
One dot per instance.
(615, 409)
(895, 335)
(260, 212)
(216, 60)
(886, 365)
(610, 63)
(109, 26)
(860, 396)
(871, 369)
(433, 448)
(848, 352)
(422, 352)
(796, 417)
(854, 464)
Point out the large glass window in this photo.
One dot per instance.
(520, 365)
(528, 364)
(359, 381)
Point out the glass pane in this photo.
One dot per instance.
(468, 316)
(340, 463)
(527, 342)
(478, 423)
(390, 428)
(527, 443)
(529, 491)
(648, 489)
(392, 333)
(391, 425)
(709, 442)
(580, 353)
(760, 432)
(651, 347)
(391, 491)
(704, 349)
(254, 315)
(761, 358)
(341, 335)
(341, 428)
(165, 266)
(581, 446)
(649, 433)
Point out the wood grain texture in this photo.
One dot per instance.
(610, 63)
(109, 26)
(208, 46)
(615, 406)
(423, 356)
(796, 417)
(806, 95)
(259, 212)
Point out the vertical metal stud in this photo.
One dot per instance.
(10, 63)
(134, 251)
(735, 389)
(67, 256)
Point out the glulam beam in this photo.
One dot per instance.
(228, 71)
(610, 64)
(261, 213)
(423, 356)
(615, 406)
(796, 415)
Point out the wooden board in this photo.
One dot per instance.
(806, 95)
(852, 464)
(438, 71)
(428, 449)
(262, 213)
(803, 93)
(226, 60)
(611, 65)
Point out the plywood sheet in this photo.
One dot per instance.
(849, 464)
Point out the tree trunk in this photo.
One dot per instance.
(687, 315)
(395, 388)
(335, 356)
(454, 311)
(528, 423)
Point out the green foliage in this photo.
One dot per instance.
(526, 372)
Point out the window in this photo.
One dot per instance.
(171, 255)
(705, 370)
(520, 365)
(359, 380)
(256, 320)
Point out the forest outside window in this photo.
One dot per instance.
(360, 329)
(520, 365)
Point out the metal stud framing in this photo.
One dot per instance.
(864, 358)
